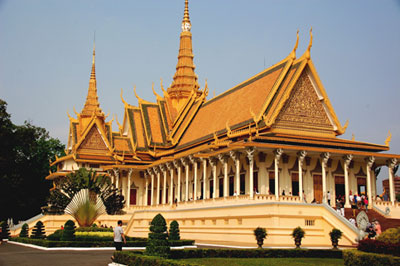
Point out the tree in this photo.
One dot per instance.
(174, 231)
(25, 152)
(158, 244)
(24, 230)
(100, 185)
(5, 231)
(69, 231)
(38, 231)
(260, 234)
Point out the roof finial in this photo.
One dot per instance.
(93, 74)
(293, 53)
(186, 25)
(308, 56)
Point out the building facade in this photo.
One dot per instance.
(255, 155)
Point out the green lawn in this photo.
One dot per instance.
(264, 261)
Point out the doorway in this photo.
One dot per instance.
(317, 188)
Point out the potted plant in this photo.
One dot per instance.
(298, 233)
(335, 235)
(260, 234)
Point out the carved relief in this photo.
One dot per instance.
(303, 109)
(93, 141)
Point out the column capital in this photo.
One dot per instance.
(185, 161)
(392, 163)
(163, 167)
(223, 158)
(156, 169)
(370, 161)
(130, 172)
(325, 157)
(278, 153)
(347, 160)
(177, 163)
(235, 155)
(193, 159)
(212, 161)
(146, 175)
(116, 171)
(250, 152)
(301, 155)
(169, 165)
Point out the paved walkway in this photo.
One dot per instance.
(11, 255)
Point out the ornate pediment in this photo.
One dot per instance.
(304, 109)
(93, 142)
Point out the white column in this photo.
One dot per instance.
(324, 161)
(194, 162)
(152, 188)
(146, 192)
(171, 183)
(213, 163)
(186, 164)
(128, 200)
(278, 154)
(302, 156)
(391, 164)
(370, 161)
(236, 158)
(250, 155)
(164, 194)
(204, 178)
(157, 171)
(116, 173)
(224, 160)
(347, 161)
(178, 166)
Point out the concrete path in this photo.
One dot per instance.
(11, 255)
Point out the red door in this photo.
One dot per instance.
(132, 200)
(318, 188)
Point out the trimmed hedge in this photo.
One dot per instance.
(138, 259)
(255, 253)
(93, 229)
(90, 243)
(376, 246)
(356, 257)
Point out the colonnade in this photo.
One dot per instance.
(169, 182)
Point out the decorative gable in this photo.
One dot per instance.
(304, 110)
(93, 142)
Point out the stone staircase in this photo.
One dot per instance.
(386, 223)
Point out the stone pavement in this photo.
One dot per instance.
(11, 255)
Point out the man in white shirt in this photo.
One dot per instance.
(118, 236)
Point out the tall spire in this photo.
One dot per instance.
(185, 80)
(92, 105)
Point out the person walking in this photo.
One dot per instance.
(329, 198)
(119, 236)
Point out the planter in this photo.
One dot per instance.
(335, 244)
(297, 242)
(260, 243)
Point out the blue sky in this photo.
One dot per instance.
(46, 47)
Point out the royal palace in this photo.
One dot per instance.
(264, 153)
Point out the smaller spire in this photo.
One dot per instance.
(308, 56)
(93, 74)
(186, 25)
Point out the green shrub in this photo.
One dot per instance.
(93, 229)
(38, 231)
(5, 231)
(174, 231)
(391, 235)
(139, 259)
(260, 234)
(69, 231)
(298, 234)
(355, 258)
(335, 235)
(24, 230)
(56, 236)
(158, 244)
(254, 253)
(376, 246)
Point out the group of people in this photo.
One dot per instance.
(358, 202)
(373, 229)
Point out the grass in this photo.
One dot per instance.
(264, 261)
